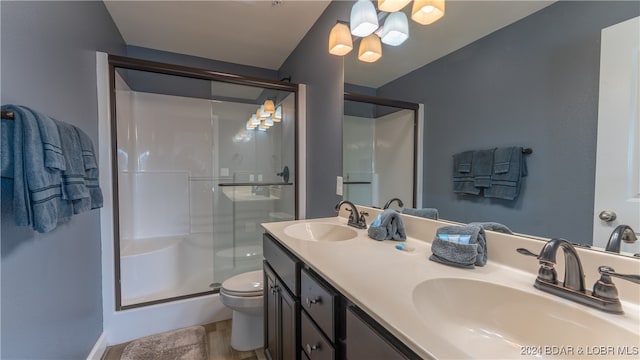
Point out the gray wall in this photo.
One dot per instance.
(534, 84)
(311, 64)
(51, 283)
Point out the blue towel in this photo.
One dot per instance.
(463, 181)
(73, 176)
(493, 226)
(387, 226)
(6, 149)
(91, 176)
(509, 167)
(429, 213)
(38, 161)
(482, 168)
(467, 254)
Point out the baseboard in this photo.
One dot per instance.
(99, 348)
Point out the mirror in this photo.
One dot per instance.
(534, 83)
(378, 150)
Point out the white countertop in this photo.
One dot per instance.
(381, 279)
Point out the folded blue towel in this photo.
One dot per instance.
(509, 167)
(463, 246)
(91, 176)
(73, 176)
(429, 213)
(482, 168)
(38, 161)
(493, 226)
(387, 226)
(463, 181)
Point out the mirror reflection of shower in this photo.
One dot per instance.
(195, 182)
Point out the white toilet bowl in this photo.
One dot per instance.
(243, 294)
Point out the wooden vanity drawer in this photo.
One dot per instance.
(313, 343)
(285, 264)
(365, 342)
(319, 302)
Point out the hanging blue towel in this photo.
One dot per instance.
(73, 176)
(482, 168)
(38, 162)
(463, 181)
(387, 226)
(429, 213)
(6, 149)
(509, 167)
(91, 176)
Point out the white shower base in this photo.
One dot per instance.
(165, 267)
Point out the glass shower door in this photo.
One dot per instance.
(256, 167)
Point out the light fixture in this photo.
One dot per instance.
(269, 107)
(250, 126)
(426, 12)
(392, 5)
(277, 116)
(396, 29)
(340, 42)
(262, 128)
(364, 23)
(268, 122)
(370, 49)
(254, 120)
(364, 19)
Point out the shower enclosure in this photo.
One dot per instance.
(200, 164)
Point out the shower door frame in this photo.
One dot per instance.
(128, 63)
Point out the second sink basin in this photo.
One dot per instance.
(319, 231)
(487, 320)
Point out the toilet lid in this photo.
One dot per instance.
(245, 284)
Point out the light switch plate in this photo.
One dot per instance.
(339, 185)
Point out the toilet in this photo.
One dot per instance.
(243, 294)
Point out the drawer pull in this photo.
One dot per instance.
(310, 348)
(313, 301)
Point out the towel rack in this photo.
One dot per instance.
(7, 115)
(527, 151)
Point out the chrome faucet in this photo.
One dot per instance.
(356, 219)
(604, 295)
(620, 233)
(386, 206)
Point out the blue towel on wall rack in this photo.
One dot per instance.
(38, 162)
(509, 167)
(463, 181)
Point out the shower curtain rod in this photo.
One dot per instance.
(7, 115)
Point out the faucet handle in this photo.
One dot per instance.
(604, 288)
(608, 271)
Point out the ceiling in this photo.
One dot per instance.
(263, 33)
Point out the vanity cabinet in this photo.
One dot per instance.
(308, 319)
(281, 302)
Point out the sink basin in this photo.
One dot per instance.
(487, 320)
(318, 231)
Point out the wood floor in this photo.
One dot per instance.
(218, 338)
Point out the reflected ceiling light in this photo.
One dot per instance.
(364, 19)
(277, 116)
(259, 115)
(392, 5)
(268, 122)
(263, 112)
(254, 120)
(262, 127)
(250, 125)
(370, 49)
(340, 42)
(269, 107)
(426, 12)
(396, 29)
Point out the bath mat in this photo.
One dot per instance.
(182, 344)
